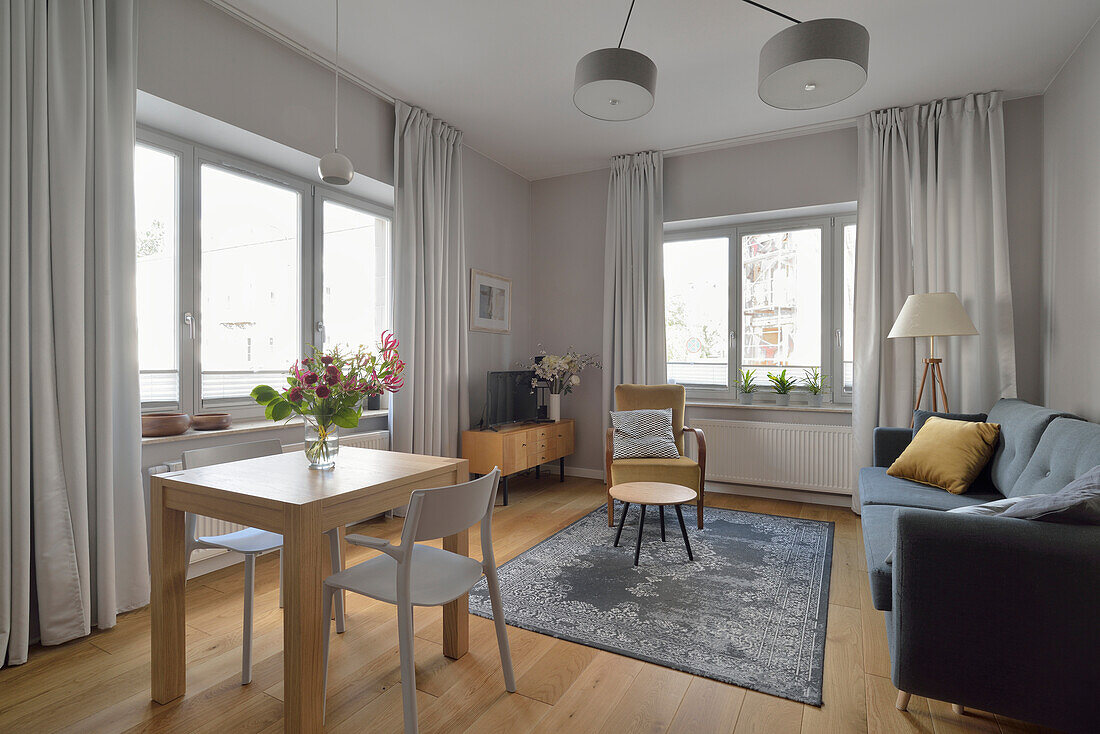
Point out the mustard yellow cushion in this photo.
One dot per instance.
(682, 471)
(947, 454)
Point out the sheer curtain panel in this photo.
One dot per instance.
(932, 217)
(430, 284)
(634, 294)
(72, 519)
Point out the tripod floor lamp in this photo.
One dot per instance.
(932, 315)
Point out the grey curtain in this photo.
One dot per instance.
(634, 295)
(72, 519)
(430, 285)
(932, 217)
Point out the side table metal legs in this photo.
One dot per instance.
(641, 527)
(626, 506)
(638, 544)
(683, 530)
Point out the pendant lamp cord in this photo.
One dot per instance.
(623, 35)
(336, 95)
(774, 12)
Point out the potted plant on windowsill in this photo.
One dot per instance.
(327, 389)
(745, 386)
(782, 384)
(816, 384)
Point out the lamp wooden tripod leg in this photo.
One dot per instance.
(932, 366)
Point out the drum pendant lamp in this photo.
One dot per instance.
(615, 84)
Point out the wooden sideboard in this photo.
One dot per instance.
(518, 447)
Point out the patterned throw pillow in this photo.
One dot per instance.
(643, 434)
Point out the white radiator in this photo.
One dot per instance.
(207, 526)
(792, 456)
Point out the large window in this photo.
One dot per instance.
(762, 297)
(239, 267)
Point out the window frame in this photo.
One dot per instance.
(191, 157)
(832, 267)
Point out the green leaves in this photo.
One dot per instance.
(278, 409)
(347, 417)
(781, 383)
(264, 394)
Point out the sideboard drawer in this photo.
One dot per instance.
(543, 446)
(539, 434)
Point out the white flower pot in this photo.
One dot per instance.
(746, 398)
(784, 399)
(553, 407)
(814, 401)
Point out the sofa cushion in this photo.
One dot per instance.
(682, 471)
(984, 481)
(1022, 425)
(1078, 502)
(876, 487)
(948, 454)
(921, 416)
(879, 531)
(1068, 449)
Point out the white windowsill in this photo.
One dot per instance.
(827, 408)
(244, 426)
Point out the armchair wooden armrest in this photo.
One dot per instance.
(701, 442)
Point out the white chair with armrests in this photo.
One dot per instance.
(249, 542)
(409, 574)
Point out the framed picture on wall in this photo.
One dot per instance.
(490, 302)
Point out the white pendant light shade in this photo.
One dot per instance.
(335, 168)
(615, 84)
(814, 64)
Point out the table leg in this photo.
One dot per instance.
(641, 525)
(169, 576)
(456, 614)
(304, 573)
(662, 507)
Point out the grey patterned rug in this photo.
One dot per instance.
(750, 610)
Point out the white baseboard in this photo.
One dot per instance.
(574, 471)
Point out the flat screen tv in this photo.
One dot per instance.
(510, 398)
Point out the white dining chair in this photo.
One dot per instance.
(249, 542)
(409, 574)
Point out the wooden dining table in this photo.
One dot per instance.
(282, 494)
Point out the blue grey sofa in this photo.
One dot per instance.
(994, 613)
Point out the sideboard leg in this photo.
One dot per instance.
(561, 469)
(504, 488)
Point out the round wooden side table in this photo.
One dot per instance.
(652, 493)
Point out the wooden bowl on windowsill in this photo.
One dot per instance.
(211, 421)
(164, 424)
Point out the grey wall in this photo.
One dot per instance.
(1071, 233)
(497, 213)
(568, 218)
(197, 56)
(1024, 177)
(777, 174)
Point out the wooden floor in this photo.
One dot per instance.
(101, 683)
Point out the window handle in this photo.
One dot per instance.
(839, 338)
(733, 338)
(320, 327)
(189, 319)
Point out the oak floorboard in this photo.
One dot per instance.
(101, 683)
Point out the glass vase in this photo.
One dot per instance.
(322, 443)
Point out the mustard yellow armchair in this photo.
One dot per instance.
(682, 470)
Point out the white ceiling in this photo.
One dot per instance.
(502, 71)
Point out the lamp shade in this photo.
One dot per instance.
(615, 84)
(813, 64)
(932, 314)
